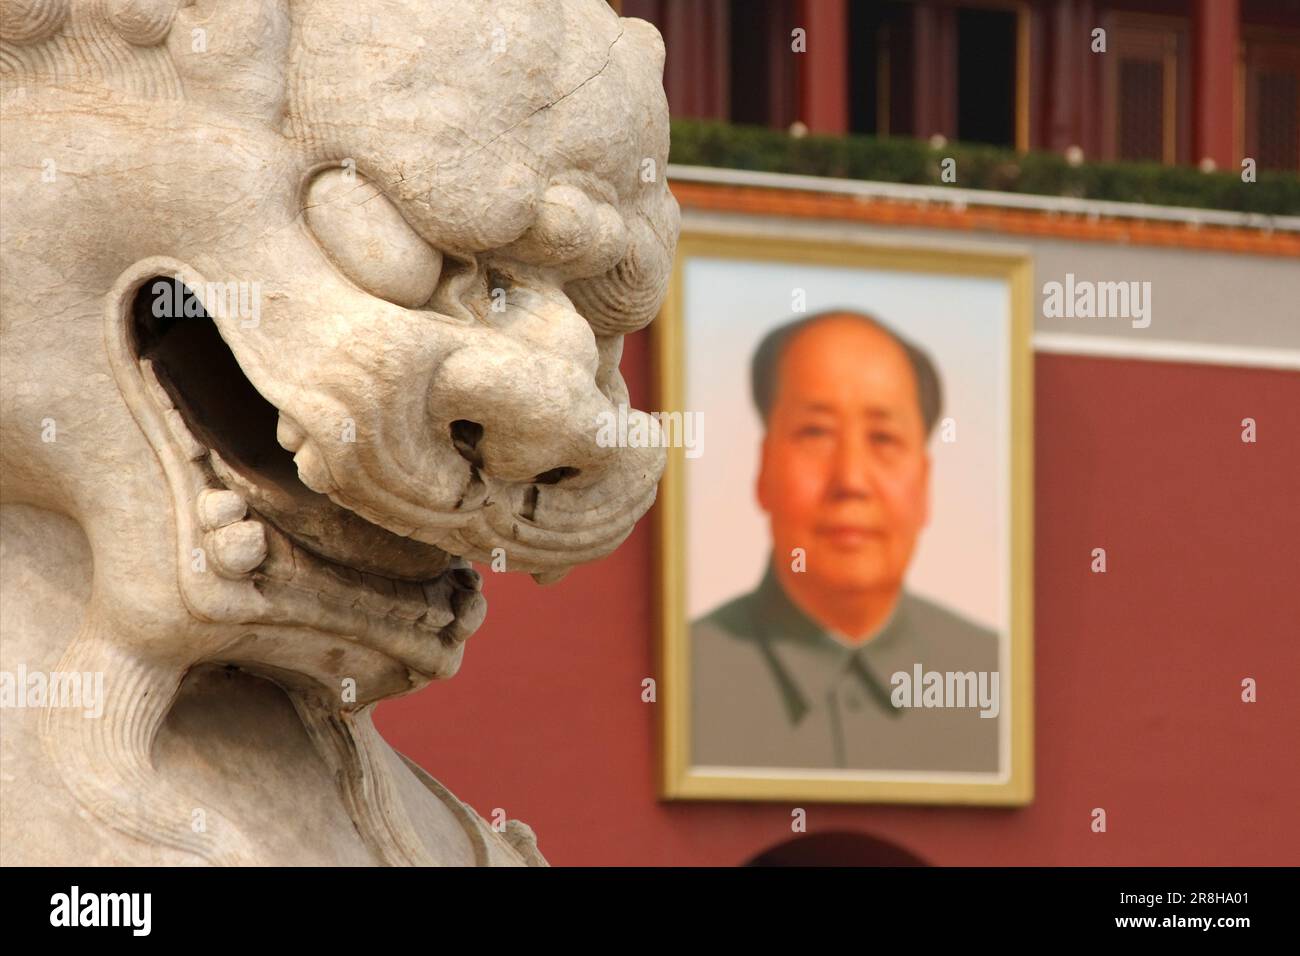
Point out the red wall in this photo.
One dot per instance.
(1138, 671)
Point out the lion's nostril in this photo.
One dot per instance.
(465, 436)
(555, 475)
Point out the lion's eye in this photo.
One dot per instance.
(369, 241)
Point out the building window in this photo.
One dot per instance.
(986, 76)
(762, 69)
(1140, 132)
(1146, 82)
(1272, 104)
(880, 68)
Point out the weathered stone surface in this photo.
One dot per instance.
(306, 303)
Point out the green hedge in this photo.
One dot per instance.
(903, 160)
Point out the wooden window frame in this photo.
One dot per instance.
(1168, 40)
(1262, 48)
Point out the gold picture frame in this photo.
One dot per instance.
(678, 778)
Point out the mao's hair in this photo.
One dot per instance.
(766, 363)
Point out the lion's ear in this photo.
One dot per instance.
(646, 36)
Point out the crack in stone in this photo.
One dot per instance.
(609, 54)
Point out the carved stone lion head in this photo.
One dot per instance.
(319, 300)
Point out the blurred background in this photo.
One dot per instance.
(1125, 165)
(1180, 82)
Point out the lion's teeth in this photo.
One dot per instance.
(550, 577)
(153, 386)
(239, 548)
(467, 579)
(289, 433)
(219, 507)
(470, 608)
(410, 604)
(279, 564)
(191, 447)
(311, 469)
(437, 595)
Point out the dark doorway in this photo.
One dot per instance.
(986, 76)
(762, 67)
(837, 849)
(880, 69)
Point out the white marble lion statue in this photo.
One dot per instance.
(306, 304)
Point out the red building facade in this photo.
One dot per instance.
(1169, 81)
(1137, 673)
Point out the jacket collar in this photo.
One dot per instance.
(806, 658)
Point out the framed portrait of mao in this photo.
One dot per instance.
(845, 549)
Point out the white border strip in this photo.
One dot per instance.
(950, 195)
(1107, 346)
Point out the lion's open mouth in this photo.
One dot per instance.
(314, 548)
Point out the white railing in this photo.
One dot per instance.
(952, 196)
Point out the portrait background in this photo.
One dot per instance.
(728, 305)
(971, 310)
(1099, 416)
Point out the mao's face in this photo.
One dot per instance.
(845, 472)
